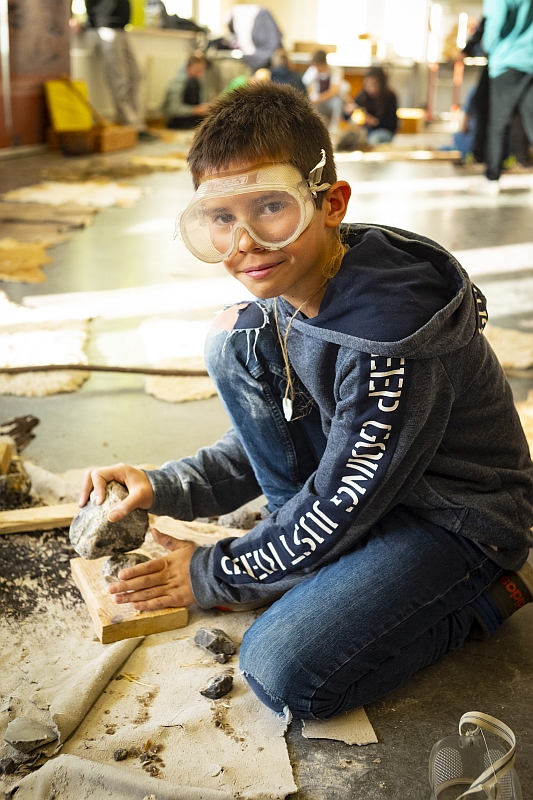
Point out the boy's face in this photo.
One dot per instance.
(295, 271)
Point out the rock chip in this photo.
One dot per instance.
(216, 642)
(120, 755)
(7, 766)
(115, 564)
(93, 536)
(25, 734)
(242, 518)
(218, 687)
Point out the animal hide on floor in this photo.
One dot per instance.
(525, 412)
(65, 216)
(167, 163)
(36, 337)
(22, 261)
(176, 344)
(93, 194)
(46, 233)
(513, 348)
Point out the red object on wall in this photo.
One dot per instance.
(39, 51)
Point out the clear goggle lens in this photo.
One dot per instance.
(273, 205)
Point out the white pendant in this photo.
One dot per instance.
(287, 408)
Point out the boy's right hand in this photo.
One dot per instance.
(141, 494)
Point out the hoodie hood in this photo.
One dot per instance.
(397, 294)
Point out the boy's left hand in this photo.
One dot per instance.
(160, 583)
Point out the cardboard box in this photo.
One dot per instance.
(115, 137)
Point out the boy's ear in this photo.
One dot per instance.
(336, 203)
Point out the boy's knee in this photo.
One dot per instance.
(227, 319)
(241, 316)
(277, 681)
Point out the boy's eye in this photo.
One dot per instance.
(273, 207)
(224, 218)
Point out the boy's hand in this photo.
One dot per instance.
(160, 583)
(141, 494)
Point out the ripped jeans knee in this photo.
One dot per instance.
(235, 333)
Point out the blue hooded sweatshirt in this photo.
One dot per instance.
(416, 411)
(508, 35)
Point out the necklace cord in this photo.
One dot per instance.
(330, 269)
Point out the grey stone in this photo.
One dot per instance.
(25, 734)
(216, 642)
(93, 536)
(218, 687)
(7, 766)
(242, 518)
(115, 564)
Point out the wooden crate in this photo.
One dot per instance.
(115, 137)
(412, 120)
(106, 139)
(113, 622)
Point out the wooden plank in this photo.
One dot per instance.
(197, 532)
(42, 518)
(113, 622)
(5, 458)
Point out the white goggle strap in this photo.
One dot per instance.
(315, 176)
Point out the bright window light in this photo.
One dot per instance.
(405, 26)
(183, 8)
(340, 22)
(462, 29)
(435, 18)
(78, 7)
(209, 14)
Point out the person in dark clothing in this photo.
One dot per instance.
(109, 18)
(508, 40)
(185, 101)
(515, 143)
(280, 72)
(360, 389)
(256, 33)
(379, 105)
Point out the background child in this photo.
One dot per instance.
(366, 406)
(379, 104)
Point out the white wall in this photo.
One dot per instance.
(298, 18)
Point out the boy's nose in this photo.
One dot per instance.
(245, 243)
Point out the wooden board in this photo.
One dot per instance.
(197, 532)
(5, 457)
(42, 518)
(113, 622)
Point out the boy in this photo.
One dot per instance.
(368, 408)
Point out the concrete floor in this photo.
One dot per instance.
(112, 419)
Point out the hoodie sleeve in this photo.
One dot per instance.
(378, 447)
(215, 481)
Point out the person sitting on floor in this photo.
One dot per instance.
(280, 71)
(185, 101)
(379, 105)
(324, 85)
(360, 389)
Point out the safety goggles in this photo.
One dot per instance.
(273, 204)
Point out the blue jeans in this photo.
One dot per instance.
(356, 629)
(379, 136)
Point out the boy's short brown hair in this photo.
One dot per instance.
(257, 123)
